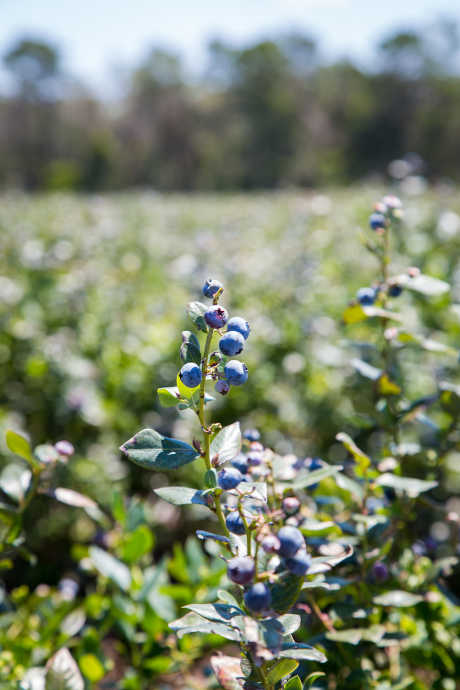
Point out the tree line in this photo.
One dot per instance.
(269, 114)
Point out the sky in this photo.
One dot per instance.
(96, 36)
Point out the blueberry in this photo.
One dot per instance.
(315, 464)
(216, 316)
(241, 570)
(210, 287)
(291, 540)
(394, 290)
(380, 571)
(234, 523)
(190, 375)
(231, 343)
(64, 448)
(251, 435)
(365, 296)
(291, 505)
(222, 387)
(300, 563)
(271, 544)
(258, 598)
(236, 323)
(241, 463)
(255, 458)
(236, 372)
(377, 221)
(229, 478)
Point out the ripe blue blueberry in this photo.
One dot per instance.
(258, 598)
(229, 478)
(394, 290)
(236, 323)
(216, 316)
(234, 523)
(377, 221)
(231, 343)
(241, 570)
(190, 375)
(241, 463)
(251, 435)
(291, 540)
(300, 563)
(380, 571)
(366, 296)
(271, 544)
(210, 287)
(236, 372)
(222, 387)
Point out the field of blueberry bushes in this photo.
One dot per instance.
(230, 441)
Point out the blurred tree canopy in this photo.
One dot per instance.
(264, 115)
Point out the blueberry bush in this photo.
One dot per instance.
(273, 569)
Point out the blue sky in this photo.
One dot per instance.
(97, 35)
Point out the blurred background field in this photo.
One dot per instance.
(93, 295)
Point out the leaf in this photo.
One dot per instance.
(228, 671)
(361, 458)
(191, 623)
(285, 592)
(15, 480)
(227, 597)
(181, 495)
(304, 480)
(387, 387)
(169, 397)
(137, 543)
(220, 613)
(290, 622)
(366, 370)
(19, 445)
(203, 534)
(196, 311)
(73, 498)
(397, 598)
(408, 485)
(294, 683)
(356, 635)
(153, 451)
(91, 667)
(311, 679)
(110, 567)
(350, 485)
(425, 285)
(314, 528)
(356, 313)
(190, 348)
(282, 669)
(302, 652)
(227, 444)
(62, 672)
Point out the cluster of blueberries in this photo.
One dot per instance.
(227, 372)
(285, 545)
(385, 211)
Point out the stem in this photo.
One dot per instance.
(206, 435)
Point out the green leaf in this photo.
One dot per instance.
(91, 667)
(191, 623)
(294, 683)
(282, 669)
(169, 397)
(304, 480)
(210, 478)
(314, 528)
(110, 567)
(190, 348)
(227, 597)
(356, 635)
(227, 444)
(356, 313)
(290, 622)
(408, 485)
(137, 543)
(19, 445)
(285, 592)
(366, 370)
(204, 534)
(361, 458)
(310, 679)
(196, 311)
(62, 673)
(351, 485)
(386, 386)
(15, 481)
(72, 498)
(302, 652)
(181, 495)
(153, 451)
(220, 613)
(397, 598)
